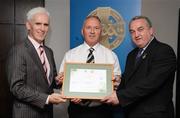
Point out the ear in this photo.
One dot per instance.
(101, 31)
(152, 31)
(82, 32)
(28, 25)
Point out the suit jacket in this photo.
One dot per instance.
(146, 89)
(28, 82)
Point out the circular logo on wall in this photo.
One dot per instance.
(113, 26)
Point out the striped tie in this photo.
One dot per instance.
(42, 57)
(43, 61)
(90, 58)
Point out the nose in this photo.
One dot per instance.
(42, 27)
(92, 30)
(136, 34)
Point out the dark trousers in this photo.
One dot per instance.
(77, 111)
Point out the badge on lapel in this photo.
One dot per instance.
(144, 55)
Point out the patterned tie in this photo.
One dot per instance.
(90, 58)
(139, 54)
(43, 61)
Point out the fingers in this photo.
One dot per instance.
(56, 98)
(105, 99)
(118, 78)
(113, 79)
(111, 99)
(59, 78)
(116, 84)
(116, 81)
(76, 100)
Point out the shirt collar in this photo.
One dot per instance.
(87, 46)
(148, 43)
(34, 42)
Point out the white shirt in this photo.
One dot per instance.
(101, 54)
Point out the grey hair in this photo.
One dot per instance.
(36, 10)
(92, 16)
(142, 17)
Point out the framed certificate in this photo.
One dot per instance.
(87, 81)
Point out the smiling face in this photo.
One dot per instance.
(38, 27)
(141, 32)
(91, 31)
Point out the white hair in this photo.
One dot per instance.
(36, 10)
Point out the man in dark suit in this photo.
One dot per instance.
(32, 80)
(146, 88)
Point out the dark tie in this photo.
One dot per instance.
(90, 58)
(139, 54)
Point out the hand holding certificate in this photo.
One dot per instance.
(87, 81)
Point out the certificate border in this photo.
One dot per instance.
(86, 95)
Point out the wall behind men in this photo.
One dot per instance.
(163, 14)
(58, 38)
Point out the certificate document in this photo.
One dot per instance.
(87, 81)
(91, 80)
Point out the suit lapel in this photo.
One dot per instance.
(134, 68)
(142, 58)
(34, 55)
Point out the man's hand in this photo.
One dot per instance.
(116, 81)
(111, 99)
(59, 78)
(76, 100)
(56, 98)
